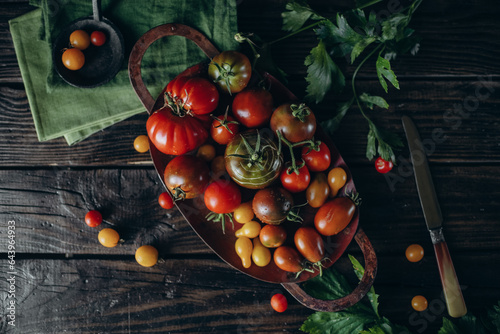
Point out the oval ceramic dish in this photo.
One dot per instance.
(194, 211)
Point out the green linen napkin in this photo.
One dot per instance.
(62, 110)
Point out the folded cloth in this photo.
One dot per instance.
(75, 113)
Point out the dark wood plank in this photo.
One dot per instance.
(192, 295)
(49, 205)
(459, 117)
(457, 38)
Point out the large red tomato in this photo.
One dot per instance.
(195, 95)
(175, 135)
(253, 107)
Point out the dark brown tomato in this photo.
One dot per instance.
(186, 176)
(272, 205)
(310, 244)
(334, 215)
(295, 121)
(288, 259)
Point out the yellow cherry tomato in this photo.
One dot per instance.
(261, 255)
(243, 213)
(244, 247)
(206, 152)
(249, 230)
(146, 256)
(73, 59)
(108, 237)
(141, 144)
(318, 191)
(414, 253)
(419, 303)
(79, 39)
(336, 180)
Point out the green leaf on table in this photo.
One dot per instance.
(340, 37)
(371, 295)
(296, 15)
(331, 125)
(386, 327)
(493, 317)
(384, 72)
(322, 74)
(360, 46)
(381, 142)
(468, 324)
(343, 322)
(371, 100)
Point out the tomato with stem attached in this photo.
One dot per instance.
(253, 107)
(273, 205)
(196, 95)
(295, 180)
(310, 244)
(222, 197)
(224, 129)
(231, 71)
(383, 166)
(288, 259)
(186, 176)
(317, 157)
(296, 122)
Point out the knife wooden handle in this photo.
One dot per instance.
(452, 292)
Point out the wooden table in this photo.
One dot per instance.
(66, 282)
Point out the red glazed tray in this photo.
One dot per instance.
(194, 211)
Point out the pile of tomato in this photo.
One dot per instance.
(229, 139)
(73, 58)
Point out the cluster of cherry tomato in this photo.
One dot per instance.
(73, 57)
(216, 116)
(145, 255)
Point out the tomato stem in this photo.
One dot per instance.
(220, 217)
(224, 122)
(300, 111)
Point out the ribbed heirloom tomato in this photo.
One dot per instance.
(194, 95)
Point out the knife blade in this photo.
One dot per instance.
(433, 218)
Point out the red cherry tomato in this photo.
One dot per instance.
(93, 218)
(98, 38)
(317, 160)
(196, 95)
(294, 182)
(222, 196)
(166, 201)
(224, 129)
(279, 303)
(310, 244)
(253, 107)
(382, 166)
(175, 135)
(334, 215)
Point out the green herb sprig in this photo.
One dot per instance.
(357, 36)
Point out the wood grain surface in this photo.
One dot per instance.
(67, 283)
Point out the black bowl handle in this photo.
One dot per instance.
(355, 296)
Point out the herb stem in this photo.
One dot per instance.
(295, 32)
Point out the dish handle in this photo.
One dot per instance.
(355, 296)
(140, 47)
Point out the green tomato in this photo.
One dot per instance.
(253, 161)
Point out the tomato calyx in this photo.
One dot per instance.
(255, 156)
(300, 111)
(225, 122)
(176, 105)
(220, 218)
(294, 214)
(225, 74)
(179, 194)
(293, 165)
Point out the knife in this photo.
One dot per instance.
(434, 219)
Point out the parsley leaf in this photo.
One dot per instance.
(360, 271)
(384, 71)
(386, 141)
(494, 319)
(468, 324)
(342, 322)
(370, 101)
(386, 327)
(332, 124)
(297, 14)
(322, 74)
